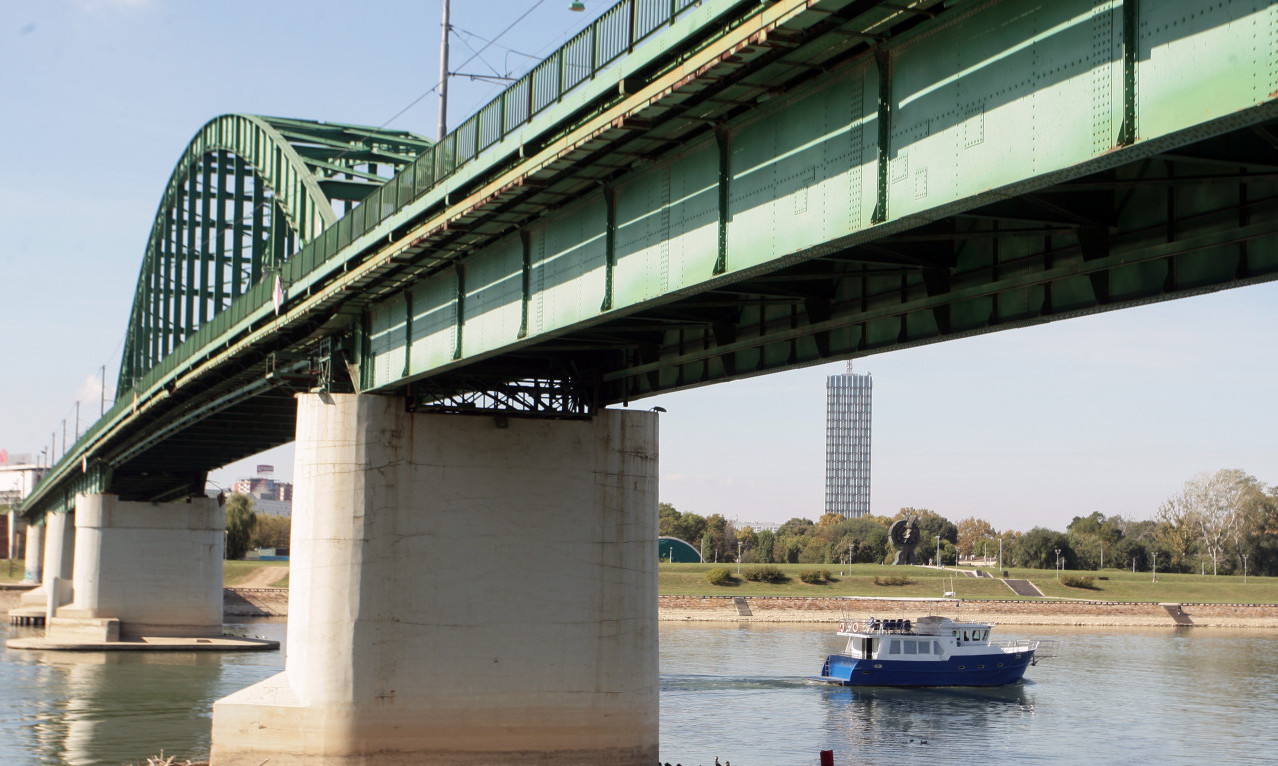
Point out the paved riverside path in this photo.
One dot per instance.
(1023, 588)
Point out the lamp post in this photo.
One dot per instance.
(1000, 553)
(1155, 566)
(1058, 564)
(1245, 568)
(738, 557)
(938, 551)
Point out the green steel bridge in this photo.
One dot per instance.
(689, 192)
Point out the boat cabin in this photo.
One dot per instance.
(929, 638)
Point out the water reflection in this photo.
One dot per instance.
(887, 718)
(100, 708)
(1112, 696)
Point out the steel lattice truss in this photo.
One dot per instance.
(247, 193)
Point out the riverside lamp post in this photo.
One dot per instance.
(1058, 564)
(1245, 568)
(1155, 566)
(738, 557)
(938, 551)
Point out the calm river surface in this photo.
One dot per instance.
(1111, 696)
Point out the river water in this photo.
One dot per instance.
(1111, 696)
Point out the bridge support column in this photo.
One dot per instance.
(59, 560)
(155, 567)
(464, 590)
(33, 562)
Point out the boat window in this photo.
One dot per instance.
(936, 646)
(965, 635)
(911, 647)
(894, 647)
(925, 647)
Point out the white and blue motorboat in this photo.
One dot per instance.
(930, 651)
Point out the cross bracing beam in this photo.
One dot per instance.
(573, 239)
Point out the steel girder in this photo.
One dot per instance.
(246, 194)
(839, 177)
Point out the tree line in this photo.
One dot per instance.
(248, 530)
(1222, 523)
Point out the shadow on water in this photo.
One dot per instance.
(983, 696)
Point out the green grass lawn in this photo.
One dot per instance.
(690, 579)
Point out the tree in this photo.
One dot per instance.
(723, 540)
(830, 520)
(240, 520)
(795, 527)
(1208, 513)
(271, 532)
(764, 545)
(1037, 549)
(971, 531)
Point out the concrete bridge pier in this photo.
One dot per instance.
(58, 563)
(464, 590)
(125, 569)
(154, 568)
(33, 561)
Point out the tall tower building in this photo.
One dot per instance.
(848, 399)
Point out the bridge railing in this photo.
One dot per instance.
(612, 35)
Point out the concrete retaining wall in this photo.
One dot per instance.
(1097, 613)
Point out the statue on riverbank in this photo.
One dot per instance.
(904, 534)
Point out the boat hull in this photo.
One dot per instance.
(995, 669)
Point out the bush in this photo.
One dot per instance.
(816, 577)
(768, 574)
(720, 576)
(1079, 581)
(893, 580)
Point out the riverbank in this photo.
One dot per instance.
(273, 602)
(1037, 612)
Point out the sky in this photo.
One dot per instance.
(1023, 428)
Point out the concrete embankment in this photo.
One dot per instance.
(273, 602)
(1085, 613)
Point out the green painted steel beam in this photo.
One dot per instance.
(761, 187)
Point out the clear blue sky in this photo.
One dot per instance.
(1111, 413)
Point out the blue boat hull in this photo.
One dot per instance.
(995, 669)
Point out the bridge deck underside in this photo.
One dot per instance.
(791, 183)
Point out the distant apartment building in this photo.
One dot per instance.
(17, 479)
(848, 400)
(274, 498)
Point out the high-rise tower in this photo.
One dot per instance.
(848, 399)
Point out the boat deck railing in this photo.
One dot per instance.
(903, 627)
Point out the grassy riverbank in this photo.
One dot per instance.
(925, 582)
(859, 580)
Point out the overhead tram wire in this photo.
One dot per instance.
(435, 88)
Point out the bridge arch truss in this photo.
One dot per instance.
(246, 194)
